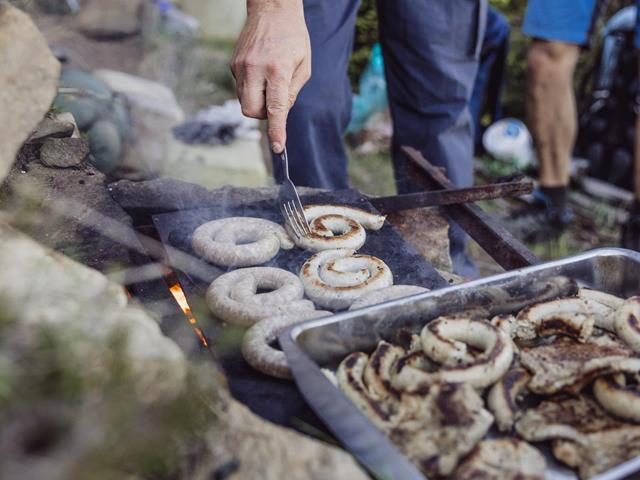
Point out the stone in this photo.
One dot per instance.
(259, 449)
(154, 112)
(110, 19)
(69, 210)
(52, 128)
(84, 96)
(143, 93)
(239, 163)
(67, 117)
(64, 152)
(44, 291)
(41, 287)
(428, 232)
(28, 81)
(54, 7)
(219, 19)
(107, 145)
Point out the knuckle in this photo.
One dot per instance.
(252, 61)
(250, 111)
(276, 108)
(276, 71)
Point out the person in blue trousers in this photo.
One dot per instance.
(290, 66)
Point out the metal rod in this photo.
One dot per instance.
(503, 247)
(451, 196)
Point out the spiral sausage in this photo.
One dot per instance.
(334, 279)
(566, 316)
(335, 226)
(239, 241)
(444, 340)
(233, 297)
(627, 323)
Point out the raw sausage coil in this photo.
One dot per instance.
(239, 241)
(233, 297)
(334, 279)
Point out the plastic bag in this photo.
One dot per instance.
(373, 92)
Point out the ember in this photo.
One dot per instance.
(181, 299)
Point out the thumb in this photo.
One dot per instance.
(277, 101)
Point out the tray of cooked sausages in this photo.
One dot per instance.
(529, 374)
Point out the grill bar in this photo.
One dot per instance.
(503, 247)
(491, 191)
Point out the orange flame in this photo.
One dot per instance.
(181, 299)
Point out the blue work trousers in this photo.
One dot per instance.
(431, 50)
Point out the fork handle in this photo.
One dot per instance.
(285, 161)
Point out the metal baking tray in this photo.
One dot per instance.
(321, 343)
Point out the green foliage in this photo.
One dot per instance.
(516, 71)
(56, 404)
(365, 36)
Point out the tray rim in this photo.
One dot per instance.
(368, 444)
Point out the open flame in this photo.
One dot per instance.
(180, 297)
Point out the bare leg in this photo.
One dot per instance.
(551, 108)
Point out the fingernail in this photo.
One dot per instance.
(276, 147)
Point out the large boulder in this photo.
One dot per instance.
(94, 389)
(154, 112)
(111, 19)
(28, 81)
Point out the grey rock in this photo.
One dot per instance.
(87, 98)
(52, 128)
(259, 449)
(69, 210)
(67, 292)
(54, 7)
(107, 146)
(28, 81)
(64, 152)
(154, 112)
(112, 19)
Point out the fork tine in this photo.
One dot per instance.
(302, 220)
(289, 218)
(300, 211)
(296, 219)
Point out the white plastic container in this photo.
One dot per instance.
(509, 140)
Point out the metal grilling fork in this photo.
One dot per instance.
(290, 204)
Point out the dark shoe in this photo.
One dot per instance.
(631, 232)
(539, 222)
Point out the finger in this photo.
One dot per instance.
(251, 93)
(277, 98)
(300, 78)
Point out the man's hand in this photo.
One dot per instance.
(272, 62)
